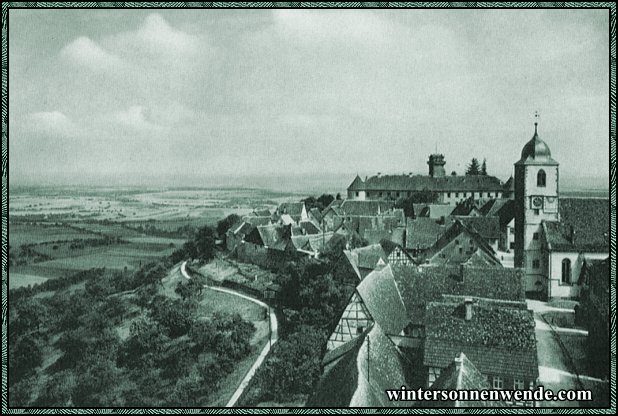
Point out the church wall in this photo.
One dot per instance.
(572, 290)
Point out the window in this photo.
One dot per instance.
(434, 373)
(535, 236)
(536, 263)
(456, 241)
(360, 329)
(356, 193)
(536, 212)
(512, 229)
(460, 250)
(456, 194)
(512, 245)
(566, 271)
(541, 178)
(448, 194)
(397, 194)
(518, 384)
(498, 383)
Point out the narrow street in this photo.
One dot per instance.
(555, 368)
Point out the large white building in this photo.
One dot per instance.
(450, 189)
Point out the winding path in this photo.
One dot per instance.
(260, 359)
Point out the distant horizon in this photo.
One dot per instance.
(297, 183)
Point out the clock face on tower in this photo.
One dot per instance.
(537, 202)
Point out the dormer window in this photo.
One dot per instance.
(541, 178)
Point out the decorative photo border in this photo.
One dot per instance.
(129, 5)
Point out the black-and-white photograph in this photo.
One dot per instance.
(308, 208)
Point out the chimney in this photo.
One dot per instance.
(572, 234)
(379, 174)
(459, 362)
(468, 305)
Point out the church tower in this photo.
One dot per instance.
(536, 200)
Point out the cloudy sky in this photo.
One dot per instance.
(123, 96)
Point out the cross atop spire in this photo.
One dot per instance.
(536, 120)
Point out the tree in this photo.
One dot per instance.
(184, 290)
(58, 390)
(473, 168)
(25, 357)
(407, 205)
(484, 167)
(174, 316)
(205, 243)
(293, 367)
(324, 200)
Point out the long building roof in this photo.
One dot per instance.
(419, 183)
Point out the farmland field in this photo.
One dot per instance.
(57, 231)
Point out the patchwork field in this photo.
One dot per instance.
(57, 231)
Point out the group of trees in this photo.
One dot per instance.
(67, 349)
(320, 202)
(200, 247)
(474, 168)
(311, 298)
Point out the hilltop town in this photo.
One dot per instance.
(245, 297)
(453, 275)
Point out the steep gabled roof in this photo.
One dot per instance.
(275, 237)
(241, 229)
(435, 211)
(583, 226)
(499, 339)
(381, 297)
(294, 209)
(261, 212)
(487, 227)
(365, 208)
(316, 214)
(465, 207)
(357, 184)
(419, 285)
(255, 220)
(346, 381)
(423, 233)
(455, 231)
(395, 235)
(308, 227)
(461, 374)
(504, 209)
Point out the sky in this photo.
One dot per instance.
(179, 96)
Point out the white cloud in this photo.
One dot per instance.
(83, 51)
(52, 123)
(136, 118)
(155, 38)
